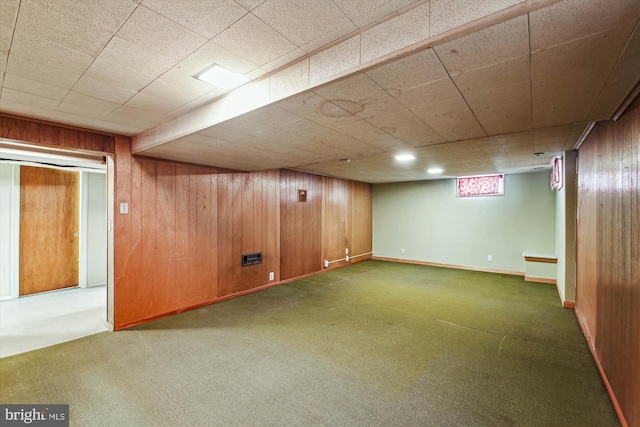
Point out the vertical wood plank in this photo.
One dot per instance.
(608, 256)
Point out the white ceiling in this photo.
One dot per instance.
(473, 88)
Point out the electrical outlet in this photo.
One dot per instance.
(346, 251)
(490, 258)
(402, 251)
(326, 263)
(272, 276)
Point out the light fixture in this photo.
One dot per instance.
(221, 77)
(405, 157)
(435, 171)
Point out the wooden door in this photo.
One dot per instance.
(49, 226)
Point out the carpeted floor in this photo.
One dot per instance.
(375, 343)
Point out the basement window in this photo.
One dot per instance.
(486, 185)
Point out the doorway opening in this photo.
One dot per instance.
(56, 245)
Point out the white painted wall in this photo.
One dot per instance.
(94, 221)
(566, 230)
(428, 221)
(9, 230)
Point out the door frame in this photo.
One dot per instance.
(26, 147)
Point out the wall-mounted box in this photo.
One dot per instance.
(251, 259)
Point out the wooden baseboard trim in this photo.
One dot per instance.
(455, 266)
(540, 280)
(603, 375)
(226, 297)
(569, 304)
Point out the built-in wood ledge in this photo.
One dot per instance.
(569, 304)
(540, 280)
(458, 267)
(540, 258)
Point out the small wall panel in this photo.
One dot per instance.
(336, 220)
(608, 284)
(361, 219)
(300, 222)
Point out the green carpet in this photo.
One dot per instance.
(376, 343)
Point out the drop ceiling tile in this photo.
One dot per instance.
(621, 82)
(131, 56)
(568, 79)
(329, 37)
(409, 72)
(111, 73)
(196, 103)
(340, 141)
(290, 80)
(482, 100)
(283, 60)
(120, 129)
(574, 19)
(72, 119)
(506, 118)
(29, 99)
(169, 92)
(205, 18)
(6, 34)
(252, 38)
(278, 135)
(409, 128)
(355, 8)
(315, 108)
(494, 76)
(374, 11)
(498, 43)
(449, 14)
(24, 109)
(220, 133)
(65, 30)
(182, 78)
(250, 4)
(303, 127)
(145, 119)
(34, 87)
(339, 58)
(42, 73)
(9, 12)
(350, 93)
(107, 15)
(153, 104)
(49, 54)
(120, 119)
(303, 20)
(272, 116)
(86, 106)
(438, 91)
(404, 30)
(244, 126)
(101, 90)
(155, 33)
(255, 74)
(453, 120)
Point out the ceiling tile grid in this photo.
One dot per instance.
(333, 79)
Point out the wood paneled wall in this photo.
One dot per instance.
(248, 221)
(54, 135)
(300, 224)
(346, 220)
(180, 245)
(608, 256)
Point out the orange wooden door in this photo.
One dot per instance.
(49, 226)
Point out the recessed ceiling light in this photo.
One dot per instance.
(221, 77)
(434, 171)
(405, 157)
